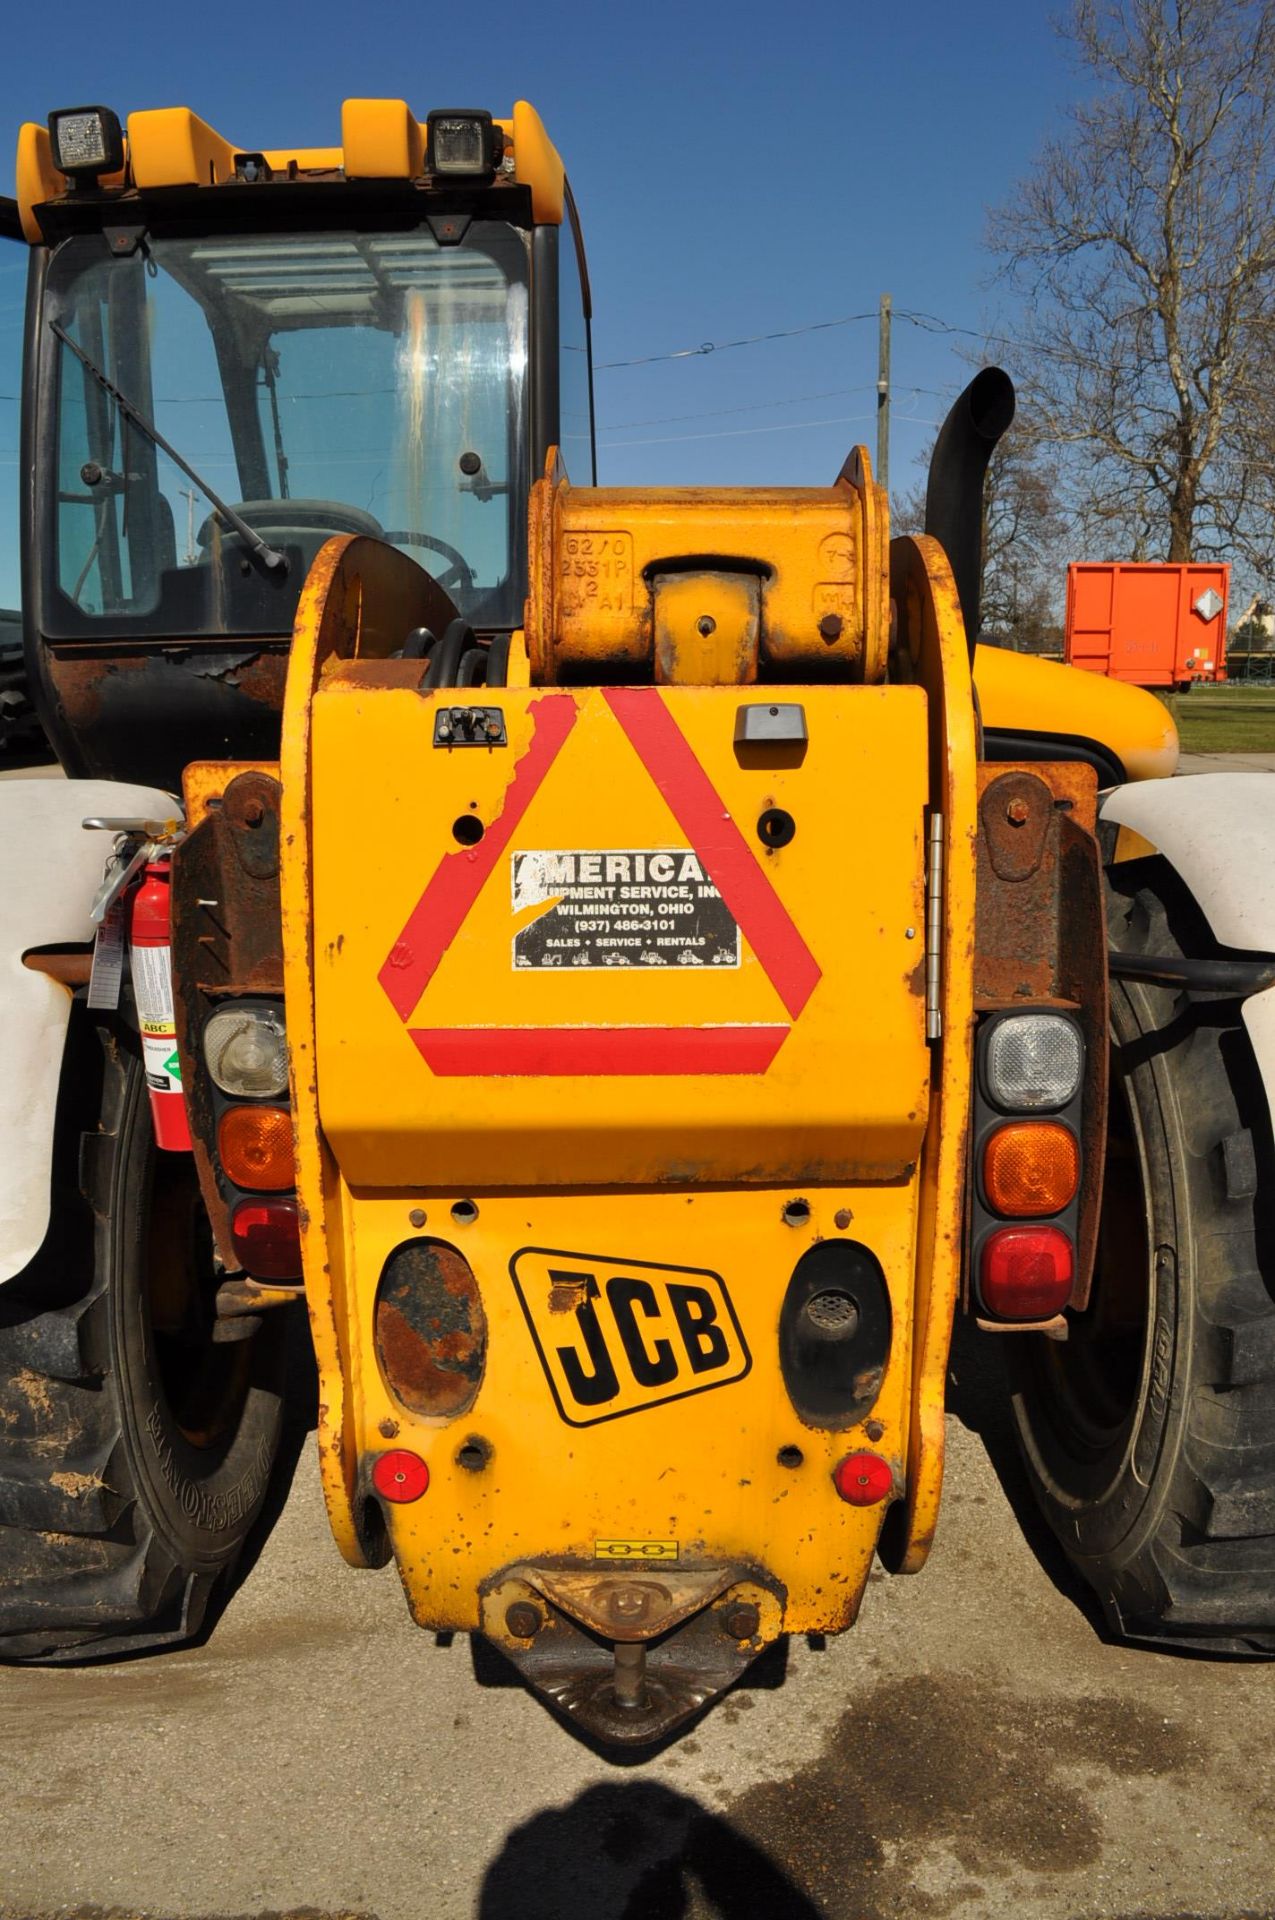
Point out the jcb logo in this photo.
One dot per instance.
(615, 1336)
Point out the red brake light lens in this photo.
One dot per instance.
(267, 1239)
(1027, 1273)
(864, 1479)
(399, 1475)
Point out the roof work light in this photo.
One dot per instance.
(87, 141)
(462, 143)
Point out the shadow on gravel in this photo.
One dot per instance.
(636, 1850)
(300, 1417)
(978, 1395)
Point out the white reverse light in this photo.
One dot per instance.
(1033, 1062)
(246, 1049)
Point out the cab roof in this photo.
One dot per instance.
(171, 147)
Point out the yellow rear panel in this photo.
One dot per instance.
(517, 1012)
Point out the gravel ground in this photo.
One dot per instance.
(975, 1747)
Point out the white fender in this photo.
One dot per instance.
(49, 872)
(1217, 830)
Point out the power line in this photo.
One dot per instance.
(722, 413)
(725, 346)
(739, 433)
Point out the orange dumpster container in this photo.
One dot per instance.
(1154, 625)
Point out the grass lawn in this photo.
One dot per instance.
(1235, 719)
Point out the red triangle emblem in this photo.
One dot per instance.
(723, 852)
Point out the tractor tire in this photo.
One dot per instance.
(1149, 1434)
(135, 1451)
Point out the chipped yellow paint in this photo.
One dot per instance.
(932, 633)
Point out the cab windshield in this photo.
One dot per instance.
(321, 384)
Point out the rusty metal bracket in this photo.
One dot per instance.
(628, 1655)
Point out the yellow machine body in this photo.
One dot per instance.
(1018, 693)
(589, 1142)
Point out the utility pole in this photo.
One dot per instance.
(883, 396)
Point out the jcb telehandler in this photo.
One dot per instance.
(625, 958)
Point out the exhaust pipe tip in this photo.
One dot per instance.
(958, 469)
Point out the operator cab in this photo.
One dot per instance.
(225, 371)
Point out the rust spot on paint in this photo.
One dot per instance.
(431, 1330)
(566, 1295)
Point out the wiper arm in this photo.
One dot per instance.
(269, 556)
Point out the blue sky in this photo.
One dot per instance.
(739, 172)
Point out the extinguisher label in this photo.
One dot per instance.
(159, 1058)
(153, 988)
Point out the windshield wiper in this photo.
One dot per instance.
(269, 556)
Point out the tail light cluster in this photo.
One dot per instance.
(1027, 1164)
(246, 1052)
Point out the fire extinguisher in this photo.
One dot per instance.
(150, 951)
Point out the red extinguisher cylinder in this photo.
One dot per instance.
(151, 954)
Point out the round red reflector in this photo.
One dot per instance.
(863, 1479)
(399, 1475)
(267, 1239)
(1027, 1273)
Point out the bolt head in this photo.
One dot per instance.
(741, 1620)
(706, 624)
(523, 1620)
(1017, 813)
(628, 1603)
(830, 627)
(416, 1217)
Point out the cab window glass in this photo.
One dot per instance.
(325, 384)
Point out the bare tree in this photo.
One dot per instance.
(1144, 242)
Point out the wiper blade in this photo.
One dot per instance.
(269, 556)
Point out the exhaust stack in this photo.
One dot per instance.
(954, 492)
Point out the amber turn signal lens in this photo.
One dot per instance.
(255, 1147)
(1031, 1168)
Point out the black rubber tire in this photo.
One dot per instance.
(1149, 1436)
(117, 1520)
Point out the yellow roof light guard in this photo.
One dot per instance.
(171, 147)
